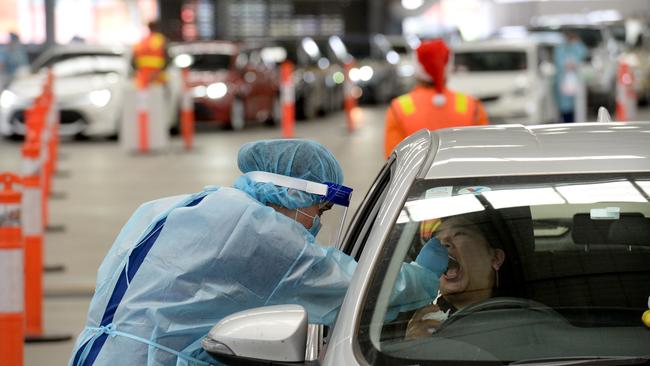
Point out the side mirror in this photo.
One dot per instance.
(271, 333)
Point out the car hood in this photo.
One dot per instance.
(486, 84)
(31, 86)
(209, 77)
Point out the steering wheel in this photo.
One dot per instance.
(503, 303)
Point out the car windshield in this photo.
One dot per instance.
(67, 65)
(210, 61)
(359, 49)
(551, 267)
(402, 49)
(488, 61)
(618, 32)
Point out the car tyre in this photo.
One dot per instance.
(237, 115)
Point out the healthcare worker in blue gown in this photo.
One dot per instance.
(180, 264)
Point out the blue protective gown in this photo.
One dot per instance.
(201, 257)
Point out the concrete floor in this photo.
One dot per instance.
(99, 185)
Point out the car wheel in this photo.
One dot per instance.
(237, 115)
(175, 128)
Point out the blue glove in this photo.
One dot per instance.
(433, 257)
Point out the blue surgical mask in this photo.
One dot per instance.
(315, 223)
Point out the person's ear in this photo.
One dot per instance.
(497, 258)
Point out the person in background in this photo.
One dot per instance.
(430, 105)
(181, 264)
(14, 60)
(150, 57)
(568, 57)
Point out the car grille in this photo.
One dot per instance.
(65, 117)
(202, 112)
(489, 98)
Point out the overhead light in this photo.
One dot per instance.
(412, 4)
(431, 208)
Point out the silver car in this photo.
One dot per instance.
(548, 232)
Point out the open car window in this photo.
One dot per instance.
(572, 279)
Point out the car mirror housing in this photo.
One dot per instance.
(270, 333)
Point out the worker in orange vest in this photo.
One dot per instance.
(150, 57)
(430, 104)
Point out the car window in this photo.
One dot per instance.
(76, 64)
(480, 61)
(361, 223)
(554, 267)
(210, 61)
(359, 48)
(88, 65)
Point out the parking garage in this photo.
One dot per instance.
(328, 71)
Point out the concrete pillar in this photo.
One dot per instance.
(375, 16)
(50, 36)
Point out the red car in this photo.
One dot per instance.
(231, 84)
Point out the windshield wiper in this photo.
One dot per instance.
(586, 361)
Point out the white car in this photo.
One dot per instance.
(90, 83)
(512, 78)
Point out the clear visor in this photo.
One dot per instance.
(332, 221)
(331, 211)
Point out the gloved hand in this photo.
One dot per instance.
(433, 257)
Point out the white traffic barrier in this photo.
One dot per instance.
(32, 228)
(144, 125)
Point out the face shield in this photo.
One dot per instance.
(331, 210)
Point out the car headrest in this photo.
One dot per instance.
(631, 228)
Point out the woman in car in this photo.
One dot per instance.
(478, 268)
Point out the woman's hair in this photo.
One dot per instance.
(510, 230)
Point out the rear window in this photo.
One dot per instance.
(539, 268)
(210, 62)
(359, 49)
(487, 61)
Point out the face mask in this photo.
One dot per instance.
(315, 223)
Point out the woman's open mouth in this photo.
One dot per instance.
(453, 268)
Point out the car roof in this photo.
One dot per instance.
(506, 150)
(80, 48)
(496, 44)
(86, 48)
